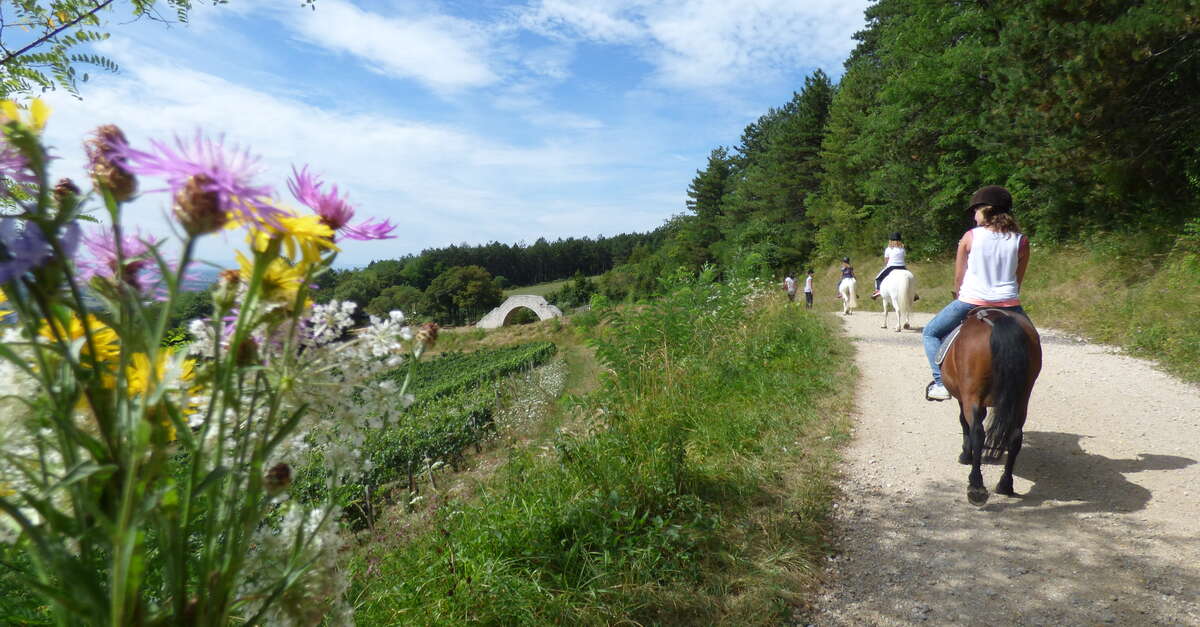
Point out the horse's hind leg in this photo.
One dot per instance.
(964, 457)
(976, 493)
(1005, 486)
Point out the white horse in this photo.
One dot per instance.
(898, 289)
(849, 295)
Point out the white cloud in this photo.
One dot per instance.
(442, 184)
(707, 43)
(443, 53)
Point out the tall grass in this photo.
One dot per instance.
(694, 491)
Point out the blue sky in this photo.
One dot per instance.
(459, 120)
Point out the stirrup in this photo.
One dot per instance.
(930, 398)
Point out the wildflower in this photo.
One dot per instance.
(280, 282)
(207, 183)
(306, 235)
(168, 370)
(225, 292)
(142, 379)
(108, 163)
(21, 249)
(66, 192)
(38, 114)
(278, 478)
(333, 209)
(139, 271)
(14, 166)
(105, 339)
(427, 334)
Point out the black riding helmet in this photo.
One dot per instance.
(993, 195)
(845, 260)
(896, 236)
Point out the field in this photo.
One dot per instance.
(541, 289)
(701, 464)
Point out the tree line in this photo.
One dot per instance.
(1086, 110)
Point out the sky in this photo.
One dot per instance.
(461, 121)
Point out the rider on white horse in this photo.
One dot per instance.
(893, 259)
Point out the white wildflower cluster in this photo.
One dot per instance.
(316, 596)
(534, 395)
(344, 385)
(329, 322)
(19, 436)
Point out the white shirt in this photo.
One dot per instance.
(895, 256)
(808, 284)
(991, 275)
(790, 283)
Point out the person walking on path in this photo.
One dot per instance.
(808, 289)
(988, 271)
(790, 285)
(893, 259)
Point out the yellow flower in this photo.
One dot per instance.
(141, 378)
(107, 343)
(38, 113)
(5, 490)
(281, 280)
(306, 235)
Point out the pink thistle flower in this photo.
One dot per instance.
(201, 171)
(140, 270)
(334, 210)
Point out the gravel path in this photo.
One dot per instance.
(1106, 529)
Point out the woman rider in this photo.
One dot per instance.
(988, 271)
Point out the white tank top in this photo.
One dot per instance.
(895, 256)
(991, 267)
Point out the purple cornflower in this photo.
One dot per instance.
(209, 184)
(25, 249)
(14, 167)
(140, 269)
(334, 210)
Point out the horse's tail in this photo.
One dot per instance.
(1010, 378)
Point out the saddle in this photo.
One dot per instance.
(980, 313)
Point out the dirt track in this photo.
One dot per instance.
(1107, 527)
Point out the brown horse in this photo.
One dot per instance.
(993, 363)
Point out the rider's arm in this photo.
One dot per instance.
(960, 261)
(1022, 260)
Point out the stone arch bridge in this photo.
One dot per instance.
(502, 315)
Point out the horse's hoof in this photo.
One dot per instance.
(964, 459)
(977, 496)
(1005, 489)
(906, 326)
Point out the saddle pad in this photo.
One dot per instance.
(978, 312)
(945, 348)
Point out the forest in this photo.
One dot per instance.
(1086, 110)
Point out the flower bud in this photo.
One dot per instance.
(198, 208)
(278, 478)
(66, 191)
(106, 164)
(247, 353)
(427, 334)
(226, 291)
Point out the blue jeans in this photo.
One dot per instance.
(941, 326)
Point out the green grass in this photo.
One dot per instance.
(693, 489)
(541, 289)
